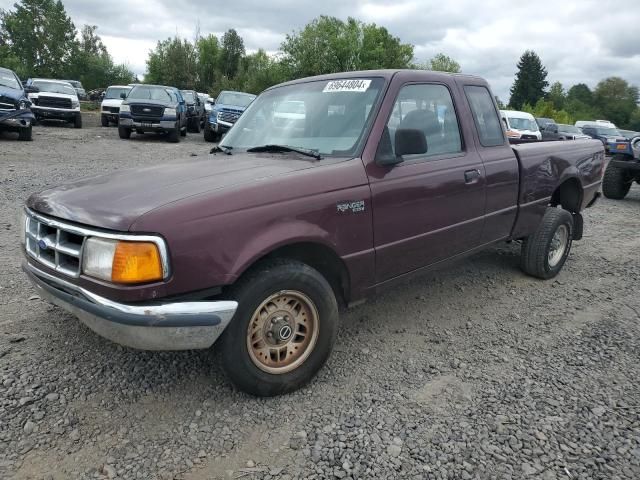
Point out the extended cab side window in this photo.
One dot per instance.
(428, 108)
(485, 116)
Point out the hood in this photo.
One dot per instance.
(112, 102)
(114, 201)
(54, 95)
(141, 101)
(222, 106)
(11, 93)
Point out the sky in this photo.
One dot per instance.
(579, 41)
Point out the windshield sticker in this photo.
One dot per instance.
(355, 85)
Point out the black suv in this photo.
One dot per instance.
(15, 107)
(153, 108)
(195, 110)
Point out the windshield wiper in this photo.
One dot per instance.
(286, 148)
(221, 148)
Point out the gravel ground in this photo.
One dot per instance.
(474, 372)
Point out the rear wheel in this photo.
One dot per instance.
(25, 134)
(104, 120)
(544, 253)
(77, 122)
(283, 330)
(124, 132)
(616, 182)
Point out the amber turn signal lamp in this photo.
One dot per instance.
(136, 262)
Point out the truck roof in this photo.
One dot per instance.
(385, 73)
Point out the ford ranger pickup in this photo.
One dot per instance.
(381, 175)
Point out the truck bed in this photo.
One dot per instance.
(545, 166)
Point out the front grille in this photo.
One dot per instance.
(528, 137)
(54, 244)
(229, 116)
(54, 102)
(7, 103)
(147, 111)
(111, 109)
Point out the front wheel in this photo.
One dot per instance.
(124, 132)
(210, 135)
(544, 252)
(25, 134)
(77, 122)
(174, 135)
(104, 121)
(616, 182)
(283, 330)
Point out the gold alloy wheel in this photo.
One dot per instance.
(283, 332)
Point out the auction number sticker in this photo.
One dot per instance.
(352, 85)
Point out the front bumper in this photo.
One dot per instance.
(54, 113)
(16, 119)
(153, 326)
(162, 125)
(218, 126)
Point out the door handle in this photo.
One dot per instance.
(472, 176)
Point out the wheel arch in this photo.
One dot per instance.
(569, 195)
(318, 256)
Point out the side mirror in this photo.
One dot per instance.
(31, 89)
(123, 95)
(410, 141)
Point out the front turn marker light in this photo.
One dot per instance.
(136, 262)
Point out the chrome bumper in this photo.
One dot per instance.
(155, 326)
(161, 125)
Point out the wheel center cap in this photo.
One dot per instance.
(285, 332)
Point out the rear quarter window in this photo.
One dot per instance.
(485, 116)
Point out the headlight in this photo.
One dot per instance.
(22, 227)
(75, 103)
(122, 261)
(170, 111)
(23, 105)
(124, 108)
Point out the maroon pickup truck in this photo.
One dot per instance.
(326, 190)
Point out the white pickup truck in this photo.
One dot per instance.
(55, 100)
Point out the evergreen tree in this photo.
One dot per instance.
(530, 82)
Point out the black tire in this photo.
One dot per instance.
(140, 132)
(25, 134)
(183, 131)
(616, 182)
(174, 135)
(104, 121)
(209, 135)
(266, 280)
(124, 132)
(536, 248)
(77, 122)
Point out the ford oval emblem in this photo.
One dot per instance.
(42, 244)
(146, 109)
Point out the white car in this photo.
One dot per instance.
(55, 100)
(520, 125)
(110, 106)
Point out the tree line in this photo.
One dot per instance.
(38, 39)
(613, 98)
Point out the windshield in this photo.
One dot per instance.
(150, 93)
(188, 96)
(328, 117)
(8, 79)
(235, 99)
(54, 87)
(114, 92)
(608, 132)
(569, 129)
(523, 124)
(75, 83)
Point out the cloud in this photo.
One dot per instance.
(578, 41)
